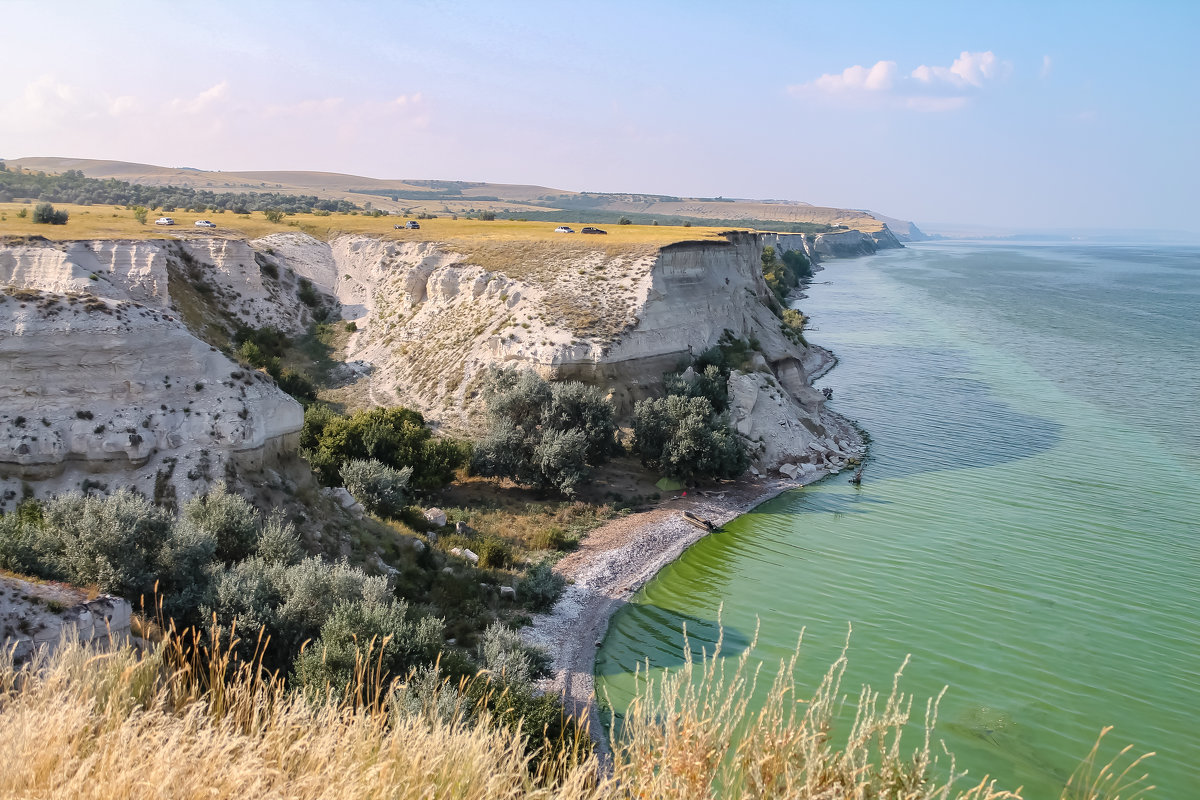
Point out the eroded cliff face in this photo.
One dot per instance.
(108, 363)
(95, 391)
(430, 324)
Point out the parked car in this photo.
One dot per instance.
(563, 229)
(412, 225)
(593, 230)
(164, 221)
(203, 223)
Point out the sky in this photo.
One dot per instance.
(1010, 115)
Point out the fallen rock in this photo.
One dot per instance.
(435, 517)
(789, 470)
(508, 593)
(463, 529)
(463, 552)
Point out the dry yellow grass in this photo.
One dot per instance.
(116, 222)
(180, 723)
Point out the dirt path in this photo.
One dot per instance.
(612, 563)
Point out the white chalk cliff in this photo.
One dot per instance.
(101, 380)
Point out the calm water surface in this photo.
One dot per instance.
(1029, 524)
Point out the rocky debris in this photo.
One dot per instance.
(341, 496)
(38, 615)
(508, 593)
(788, 431)
(435, 517)
(463, 529)
(463, 552)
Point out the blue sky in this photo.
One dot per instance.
(1017, 115)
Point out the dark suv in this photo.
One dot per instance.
(592, 230)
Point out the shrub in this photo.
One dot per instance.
(684, 438)
(308, 293)
(544, 435)
(273, 215)
(541, 587)
(297, 384)
(107, 541)
(278, 542)
(229, 518)
(397, 437)
(44, 213)
(374, 633)
(624, 221)
(503, 653)
(494, 553)
(381, 489)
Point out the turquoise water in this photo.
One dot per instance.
(1028, 528)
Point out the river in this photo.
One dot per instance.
(1028, 527)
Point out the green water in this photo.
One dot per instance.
(1028, 525)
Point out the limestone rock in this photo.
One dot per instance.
(435, 517)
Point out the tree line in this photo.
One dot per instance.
(73, 186)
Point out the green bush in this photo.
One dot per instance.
(494, 553)
(396, 437)
(685, 438)
(229, 518)
(541, 587)
(541, 434)
(381, 489)
(375, 631)
(308, 293)
(504, 654)
(44, 213)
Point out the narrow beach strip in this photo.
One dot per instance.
(614, 561)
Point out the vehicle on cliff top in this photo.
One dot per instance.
(593, 230)
(164, 221)
(204, 223)
(563, 229)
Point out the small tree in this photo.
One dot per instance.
(381, 489)
(274, 215)
(44, 213)
(684, 438)
(139, 213)
(624, 221)
(543, 435)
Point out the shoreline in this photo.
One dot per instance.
(615, 560)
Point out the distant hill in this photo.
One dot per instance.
(461, 197)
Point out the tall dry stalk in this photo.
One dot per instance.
(186, 720)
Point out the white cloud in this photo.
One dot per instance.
(203, 102)
(1047, 65)
(969, 69)
(926, 88)
(858, 78)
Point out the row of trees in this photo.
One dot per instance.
(552, 435)
(73, 186)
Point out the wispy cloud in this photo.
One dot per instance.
(926, 88)
(203, 119)
(1047, 65)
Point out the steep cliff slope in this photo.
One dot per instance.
(111, 361)
(101, 382)
(431, 322)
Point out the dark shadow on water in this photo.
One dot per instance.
(667, 648)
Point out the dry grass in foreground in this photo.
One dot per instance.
(85, 724)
